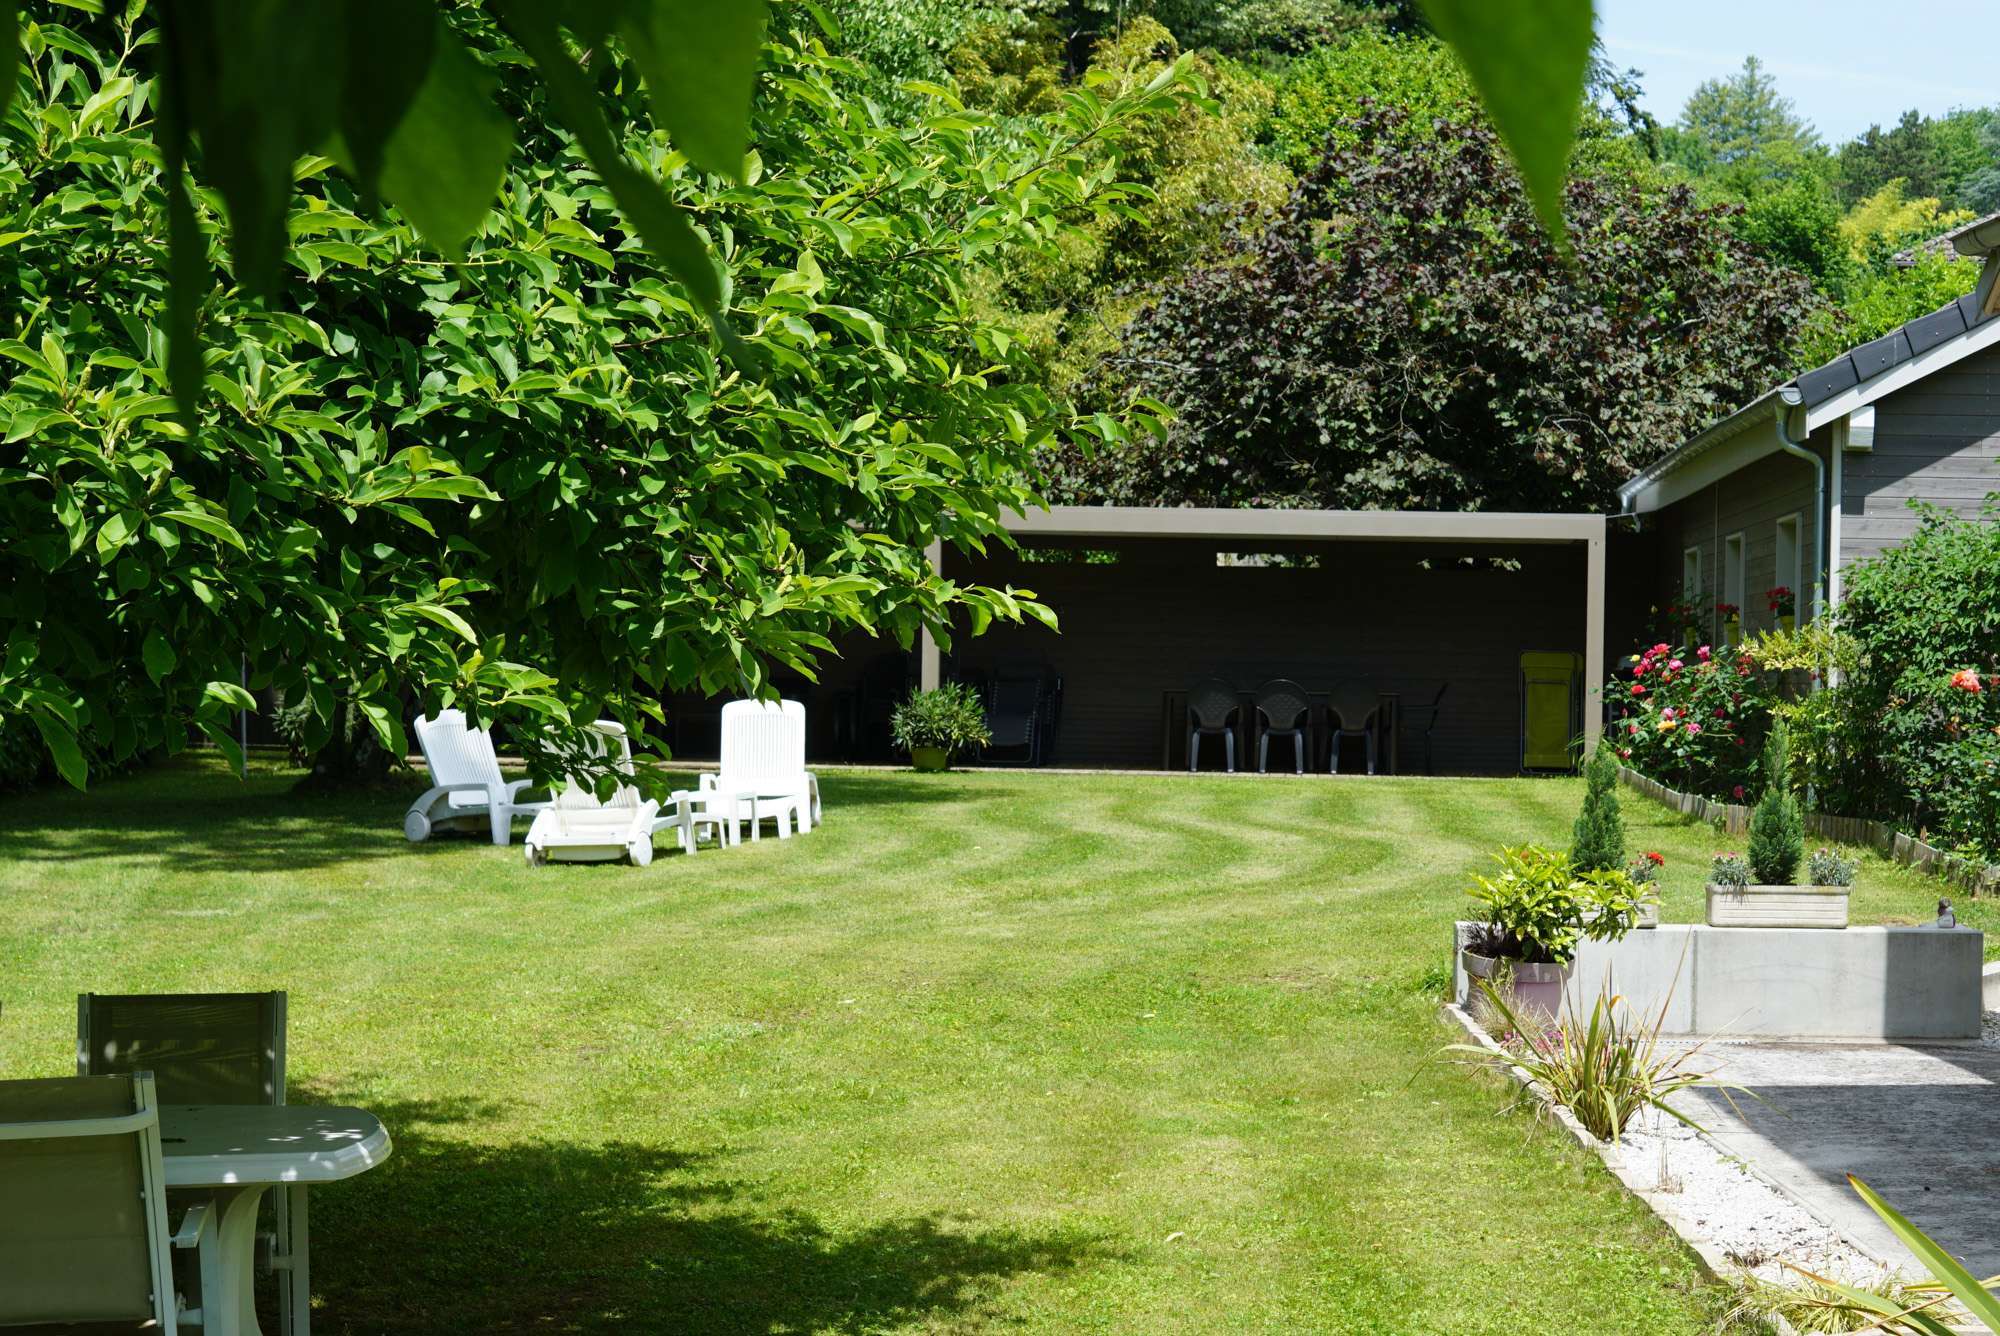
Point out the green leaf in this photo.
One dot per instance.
(388, 725)
(212, 525)
(1977, 1299)
(418, 119)
(10, 52)
(1528, 62)
(61, 742)
(444, 617)
(660, 222)
(699, 59)
(159, 655)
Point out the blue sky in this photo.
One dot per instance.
(1846, 64)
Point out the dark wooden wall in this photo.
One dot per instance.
(1164, 614)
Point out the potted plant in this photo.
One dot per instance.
(1784, 607)
(1732, 623)
(1762, 891)
(1535, 912)
(932, 725)
(1644, 872)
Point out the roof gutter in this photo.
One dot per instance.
(1789, 398)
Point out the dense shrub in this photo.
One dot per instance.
(1690, 719)
(1919, 718)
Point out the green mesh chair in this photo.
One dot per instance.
(208, 1048)
(83, 1208)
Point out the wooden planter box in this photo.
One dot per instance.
(1777, 906)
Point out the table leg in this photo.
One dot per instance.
(229, 1271)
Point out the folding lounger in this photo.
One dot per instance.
(465, 781)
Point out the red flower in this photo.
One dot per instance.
(1702, 654)
(1738, 790)
(1638, 690)
(1655, 859)
(1965, 679)
(1661, 648)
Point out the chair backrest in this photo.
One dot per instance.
(1283, 703)
(83, 1214)
(1354, 704)
(1437, 705)
(202, 1048)
(601, 739)
(763, 747)
(458, 757)
(1211, 701)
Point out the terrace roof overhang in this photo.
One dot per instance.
(1234, 524)
(1110, 524)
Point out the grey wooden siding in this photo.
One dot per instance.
(1937, 440)
(1751, 501)
(1165, 614)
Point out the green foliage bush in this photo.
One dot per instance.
(530, 483)
(1598, 840)
(1777, 832)
(1918, 721)
(1538, 908)
(951, 717)
(1321, 93)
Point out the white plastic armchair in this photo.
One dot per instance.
(465, 781)
(763, 768)
(580, 827)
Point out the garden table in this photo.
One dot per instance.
(236, 1152)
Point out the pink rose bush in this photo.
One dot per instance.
(1689, 717)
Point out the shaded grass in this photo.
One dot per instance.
(1035, 1052)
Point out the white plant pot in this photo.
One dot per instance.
(1537, 986)
(1649, 913)
(1777, 906)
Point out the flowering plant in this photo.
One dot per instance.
(1730, 612)
(1966, 679)
(1829, 867)
(1783, 601)
(1645, 869)
(1689, 716)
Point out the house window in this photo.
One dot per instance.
(1691, 574)
(1732, 575)
(1791, 571)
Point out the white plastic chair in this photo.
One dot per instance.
(465, 781)
(763, 768)
(580, 827)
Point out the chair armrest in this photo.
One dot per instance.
(193, 1225)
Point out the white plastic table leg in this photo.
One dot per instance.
(232, 1309)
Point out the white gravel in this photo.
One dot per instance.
(1712, 1200)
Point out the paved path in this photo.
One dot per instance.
(1920, 1126)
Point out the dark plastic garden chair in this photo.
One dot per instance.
(1212, 705)
(1351, 713)
(1426, 719)
(207, 1048)
(1284, 710)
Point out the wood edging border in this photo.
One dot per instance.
(1964, 874)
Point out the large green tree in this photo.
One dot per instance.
(1404, 335)
(530, 480)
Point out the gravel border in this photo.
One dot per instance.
(1734, 1218)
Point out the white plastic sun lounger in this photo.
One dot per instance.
(579, 827)
(763, 768)
(465, 781)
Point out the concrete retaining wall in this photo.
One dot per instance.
(1814, 985)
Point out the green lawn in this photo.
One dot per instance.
(988, 1051)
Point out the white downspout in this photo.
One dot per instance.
(1788, 399)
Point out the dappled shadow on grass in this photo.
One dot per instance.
(454, 1235)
